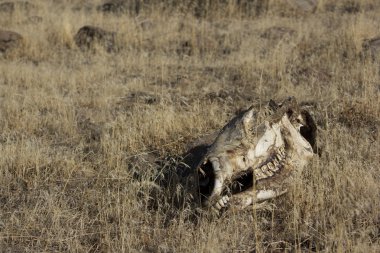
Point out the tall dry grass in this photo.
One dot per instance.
(86, 136)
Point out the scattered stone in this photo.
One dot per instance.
(32, 20)
(277, 33)
(305, 74)
(113, 7)
(120, 7)
(138, 98)
(347, 6)
(371, 47)
(304, 5)
(90, 130)
(88, 36)
(185, 47)
(147, 25)
(10, 7)
(9, 40)
(351, 7)
(7, 7)
(87, 7)
(360, 115)
(144, 23)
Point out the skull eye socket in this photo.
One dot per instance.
(289, 113)
(206, 180)
(308, 130)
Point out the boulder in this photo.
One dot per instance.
(277, 33)
(120, 7)
(9, 40)
(89, 36)
(7, 7)
(304, 5)
(371, 47)
(32, 20)
(86, 7)
(10, 7)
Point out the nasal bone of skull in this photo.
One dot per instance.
(265, 142)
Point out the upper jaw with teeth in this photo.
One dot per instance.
(271, 166)
(254, 153)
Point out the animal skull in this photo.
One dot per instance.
(255, 155)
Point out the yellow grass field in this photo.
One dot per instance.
(86, 136)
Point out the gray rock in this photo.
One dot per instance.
(277, 33)
(88, 36)
(32, 20)
(371, 47)
(7, 7)
(9, 40)
(10, 7)
(304, 5)
(86, 7)
(120, 6)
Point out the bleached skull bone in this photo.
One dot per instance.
(255, 155)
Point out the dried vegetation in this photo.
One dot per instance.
(90, 135)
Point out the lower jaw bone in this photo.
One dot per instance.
(268, 194)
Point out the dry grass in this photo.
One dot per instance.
(85, 136)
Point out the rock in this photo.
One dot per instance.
(113, 6)
(10, 7)
(185, 47)
(277, 33)
(9, 40)
(304, 5)
(371, 47)
(120, 6)
(32, 20)
(7, 7)
(90, 130)
(351, 7)
(88, 36)
(86, 7)
(144, 23)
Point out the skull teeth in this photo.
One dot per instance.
(259, 174)
(282, 152)
(273, 167)
(221, 203)
(266, 170)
